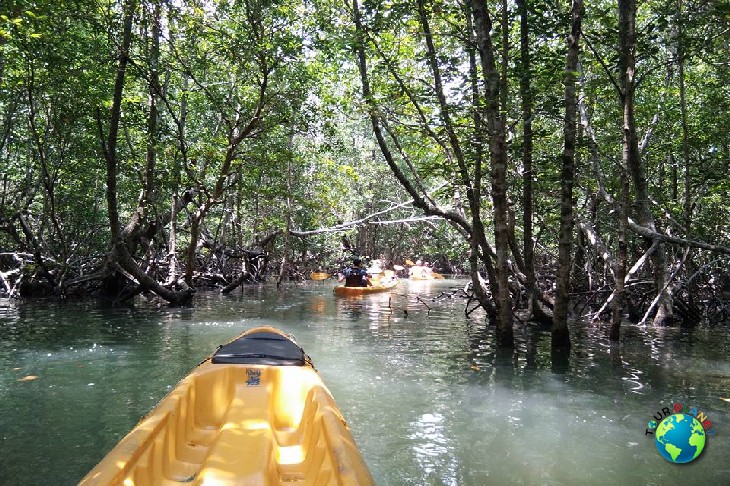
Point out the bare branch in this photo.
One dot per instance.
(357, 222)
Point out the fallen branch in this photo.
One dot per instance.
(419, 299)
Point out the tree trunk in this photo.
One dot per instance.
(110, 148)
(504, 58)
(287, 233)
(476, 248)
(498, 158)
(130, 233)
(627, 46)
(120, 252)
(172, 270)
(479, 246)
(560, 333)
(685, 127)
(633, 160)
(528, 243)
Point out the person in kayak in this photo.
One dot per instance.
(417, 270)
(355, 275)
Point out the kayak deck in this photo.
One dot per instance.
(239, 424)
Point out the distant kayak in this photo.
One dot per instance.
(319, 276)
(433, 276)
(342, 290)
(255, 412)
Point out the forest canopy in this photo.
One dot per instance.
(554, 152)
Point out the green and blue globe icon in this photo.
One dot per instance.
(680, 438)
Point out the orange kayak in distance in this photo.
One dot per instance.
(342, 290)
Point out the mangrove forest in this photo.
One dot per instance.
(570, 158)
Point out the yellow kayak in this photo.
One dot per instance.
(433, 276)
(254, 413)
(319, 276)
(343, 290)
(436, 276)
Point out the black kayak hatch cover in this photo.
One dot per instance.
(261, 348)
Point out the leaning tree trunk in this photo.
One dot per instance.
(471, 226)
(560, 334)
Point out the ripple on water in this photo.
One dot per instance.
(428, 395)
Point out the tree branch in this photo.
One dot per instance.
(357, 222)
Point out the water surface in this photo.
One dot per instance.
(428, 397)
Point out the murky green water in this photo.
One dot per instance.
(428, 398)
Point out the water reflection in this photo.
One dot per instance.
(374, 308)
(429, 397)
(318, 304)
(433, 449)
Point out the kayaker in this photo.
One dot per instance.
(355, 275)
(417, 270)
(427, 271)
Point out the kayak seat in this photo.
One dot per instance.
(313, 464)
(327, 443)
(320, 445)
(263, 348)
(243, 447)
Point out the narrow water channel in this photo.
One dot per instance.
(429, 399)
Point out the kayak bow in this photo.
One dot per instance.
(254, 412)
